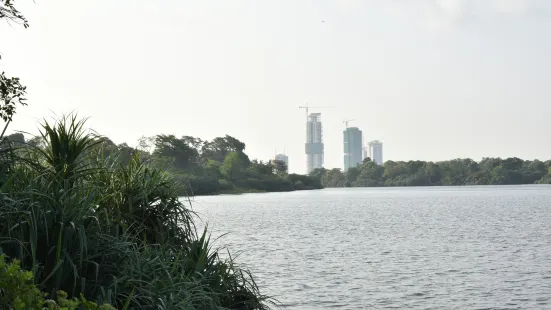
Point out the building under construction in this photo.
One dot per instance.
(352, 138)
(314, 142)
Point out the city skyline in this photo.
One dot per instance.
(432, 79)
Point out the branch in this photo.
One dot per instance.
(9, 12)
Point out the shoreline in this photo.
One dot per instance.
(249, 191)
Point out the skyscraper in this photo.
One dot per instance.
(376, 151)
(314, 143)
(352, 147)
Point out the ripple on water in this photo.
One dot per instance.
(446, 248)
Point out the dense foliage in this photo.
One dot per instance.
(117, 233)
(489, 171)
(18, 292)
(221, 165)
(206, 167)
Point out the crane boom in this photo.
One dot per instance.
(346, 122)
(306, 107)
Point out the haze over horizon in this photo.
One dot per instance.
(433, 80)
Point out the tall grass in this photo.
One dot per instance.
(115, 233)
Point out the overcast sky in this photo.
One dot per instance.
(431, 79)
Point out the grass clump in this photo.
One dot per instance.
(85, 224)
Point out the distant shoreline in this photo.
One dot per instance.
(456, 172)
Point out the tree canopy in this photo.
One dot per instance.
(489, 171)
(203, 167)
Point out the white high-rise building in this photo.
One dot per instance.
(314, 143)
(376, 151)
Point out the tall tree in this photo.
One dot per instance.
(280, 167)
(219, 147)
(178, 151)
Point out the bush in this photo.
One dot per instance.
(102, 230)
(306, 182)
(18, 292)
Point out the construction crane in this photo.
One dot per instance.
(306, 107)
(346, 122)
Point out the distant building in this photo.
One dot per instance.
(352, 143)
(314, 143)
(376, 151)
(365, 152)
(284, 158)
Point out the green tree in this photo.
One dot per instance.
(125, 153)
(18, 138)
(258, 167)
(352, 175)
(37, 141)
(179, 151)
(317, 173)
(213, 166)
(370, 174)
(546, 179)
(451, 172)
(280, 167)
(219, 147)
(533, 171)
(333, 178)
(231, 169)
(433, 173)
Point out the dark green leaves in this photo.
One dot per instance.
(12, 93)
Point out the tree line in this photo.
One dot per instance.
(203, 167)
(488, 171)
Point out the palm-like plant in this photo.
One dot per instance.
(143, 201)
(50, 222)
(68, 144)
(86, 224)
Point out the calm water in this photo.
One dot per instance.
(407, 248)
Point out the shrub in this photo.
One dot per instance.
(18, 292)
(102, 230)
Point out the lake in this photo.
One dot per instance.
(480, 247)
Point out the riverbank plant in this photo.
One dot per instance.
(117, 233)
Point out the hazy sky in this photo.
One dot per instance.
(432, 79)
